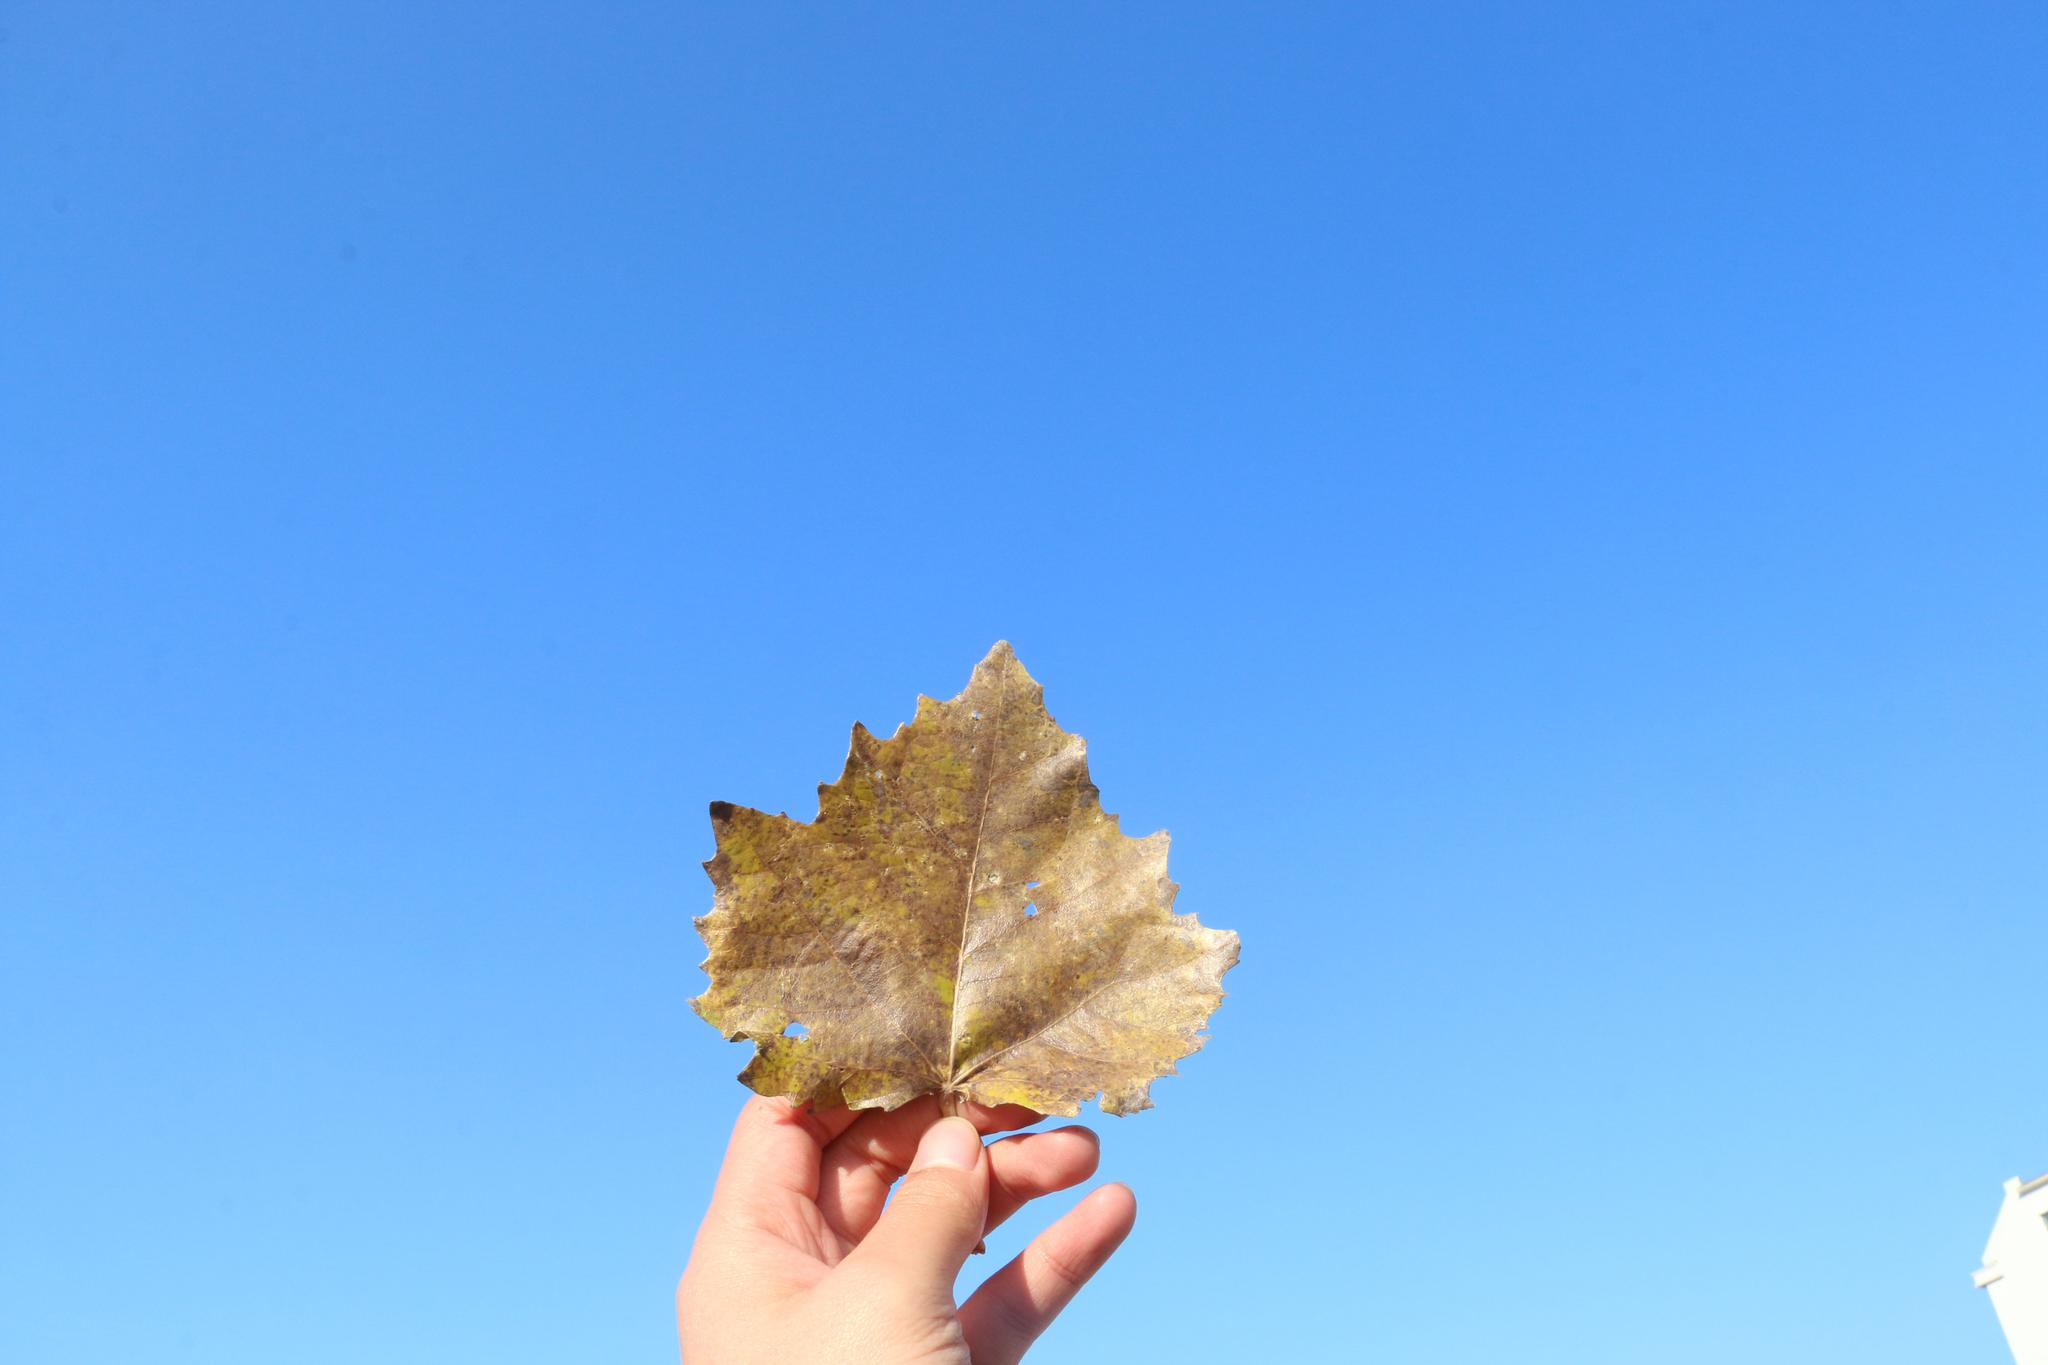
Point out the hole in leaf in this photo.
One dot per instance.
(975, 715)
(1030, 908)
(1031, 886)
(795, 1030)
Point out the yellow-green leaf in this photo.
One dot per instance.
(962, 919)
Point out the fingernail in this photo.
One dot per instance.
(949, 1142)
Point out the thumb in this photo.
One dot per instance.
(936, 1217)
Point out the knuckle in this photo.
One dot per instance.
(938, 1192)
(1067, 1274)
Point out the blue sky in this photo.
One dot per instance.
(1545, 503)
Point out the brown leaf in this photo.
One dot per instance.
(962, 919)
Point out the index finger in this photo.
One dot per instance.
(774, 1149)
(869, 1156)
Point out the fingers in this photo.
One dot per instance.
(1020, 1301)
(1025, 1167)
(1020, 1168)
(891, 1137)
(928, 1229)
(774, 1150)
(868, 1156)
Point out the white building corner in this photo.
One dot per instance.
(2016, 1269)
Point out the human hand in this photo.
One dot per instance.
(798, 1260)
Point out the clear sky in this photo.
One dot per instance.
(1548, 503)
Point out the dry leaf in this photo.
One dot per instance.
(962, 919)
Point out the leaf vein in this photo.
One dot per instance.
(1115, 981)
